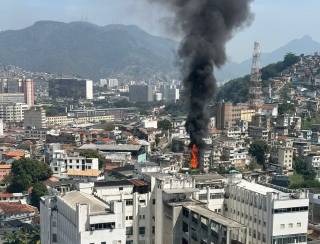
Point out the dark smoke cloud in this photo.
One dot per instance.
(206, 26)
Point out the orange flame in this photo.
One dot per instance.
(194, 157)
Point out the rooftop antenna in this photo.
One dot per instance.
(255, 90)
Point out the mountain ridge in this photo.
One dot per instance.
(88, 50)
(298, 46)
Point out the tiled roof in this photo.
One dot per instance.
(88, 172)
(12, 154)
(5, 166)
(14, 208)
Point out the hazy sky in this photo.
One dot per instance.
(276, 21)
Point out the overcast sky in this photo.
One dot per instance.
(276, 21)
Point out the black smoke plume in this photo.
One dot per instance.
(206, 26)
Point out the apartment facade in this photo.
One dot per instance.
(13, 112)
(272, 216)
(61, 162)
(80, 218)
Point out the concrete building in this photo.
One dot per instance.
(71, 88)
(6, 98)
(35, 118)
(62, 162)
(112, 83)
(11, 85)
(272, 215)
(170, 93)
(150, 123)
(1, 127)
(13, 112)
(80, 218)
(174, 208)
(314, 213)
(227, 114)
(14, 211)
(28, 88)
(140, 93)
(283, 155)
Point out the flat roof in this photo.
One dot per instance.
(180, 190)
(112, 147)
(207, 177)
(75, 197)
(214, 216)
(251, 186)
(112, 183)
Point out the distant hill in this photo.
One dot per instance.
(237, 90)
(88, 50)
(305, 45)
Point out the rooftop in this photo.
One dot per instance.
(112, 147)
(214, 216)
(112, 183)
(75, 197)
(256, 187)
(15, 208)
(5, 166)
(88, 172)
(208, 177)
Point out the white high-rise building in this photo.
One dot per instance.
(13, 112)
(1, 127)
(89, 89)
(165, 208)
(29, 92)
(80, 218)
(272, 215)
(112, 83)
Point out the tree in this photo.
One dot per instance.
(90, 153)
(23, 236)
(108, 126)
(259, 149)
(286, 108)
(25, 172)
(304, 168)
(164, 125)
(253, 165)
(38, 190)
(19, 183)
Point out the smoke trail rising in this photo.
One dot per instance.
(206, 26)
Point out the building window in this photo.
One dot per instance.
(153, 201)
(185, 227)
(290, 225)
(282, 226)
(202, 197)
(185, 213)
(142, 216)
(129, 217)
(298, 224)
(142, 230)
(129, 230)
(129, 202)
(120, 188)
(103, 242)
(54, 237)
